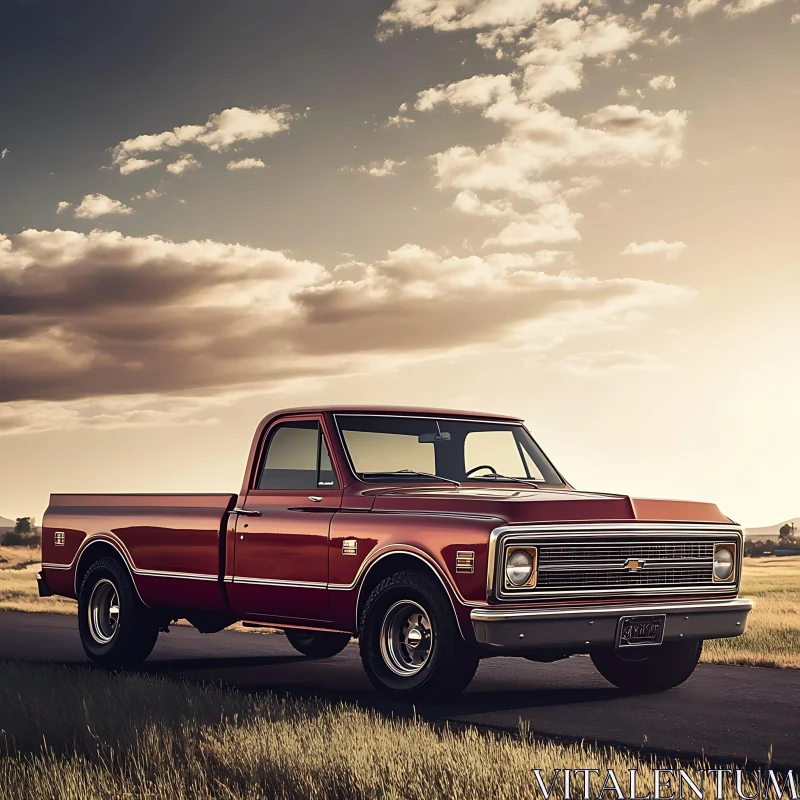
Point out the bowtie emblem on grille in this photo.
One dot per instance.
(633, 565)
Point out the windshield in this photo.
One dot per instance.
(409, 448)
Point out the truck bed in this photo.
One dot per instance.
(173, 544)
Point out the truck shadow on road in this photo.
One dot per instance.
(213, 663)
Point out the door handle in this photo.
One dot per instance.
(245, 512)
(315, 498)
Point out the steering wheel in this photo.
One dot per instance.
(481, 466)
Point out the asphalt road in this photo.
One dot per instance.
(728, 713)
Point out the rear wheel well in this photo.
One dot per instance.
(93, 553)
(391, 565)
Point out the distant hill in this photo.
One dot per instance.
(770, 533)
(6, 523)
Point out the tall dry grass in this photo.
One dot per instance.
(77, 734)
(773, 631)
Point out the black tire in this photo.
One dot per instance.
(124, 639)
(445, 666)
(651, 669)
(317, 644)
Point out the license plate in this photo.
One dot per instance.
(640, 631)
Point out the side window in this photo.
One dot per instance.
(297, 458)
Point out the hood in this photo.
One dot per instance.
(523, 504)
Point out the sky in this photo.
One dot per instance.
(580, 213)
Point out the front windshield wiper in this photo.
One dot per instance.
(494, 476)
(411, 472)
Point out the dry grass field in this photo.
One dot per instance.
(18, 591)
(772, 638)
(773, 632)
(77, 734)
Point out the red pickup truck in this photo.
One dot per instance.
(436, 537)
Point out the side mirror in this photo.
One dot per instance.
(430, 438)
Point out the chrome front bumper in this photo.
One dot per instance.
(507, 631)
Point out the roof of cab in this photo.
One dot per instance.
(406, 411)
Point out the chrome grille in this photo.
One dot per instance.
(582, 579)
(580, 553)
(606, 560)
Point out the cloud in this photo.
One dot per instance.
(447, 15)
(660, 248)
(550, 223)
(398, 121)
(662, 82)
(98, 205)
(63, 206)
(795, 19)
(592, 364)
(651, 11)
(747, 7)
(695, 7)
(150, 194)
(665, 38)
(229, 127)
(136, 164)
(549, 52)
(543, 139)
(105, 413)
(85, 317)
(246, 163)
(183, 164)
(736, 8)
(378, 169)
(467, 202)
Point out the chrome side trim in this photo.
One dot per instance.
(277, 582)
(119, 546)
(620, 529)
(189, 576)
(147, 573)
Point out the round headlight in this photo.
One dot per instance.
(519, 567)
(723, 563)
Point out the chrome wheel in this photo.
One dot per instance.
(103, 611)
(406, 638)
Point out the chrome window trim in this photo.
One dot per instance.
(531, 534)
